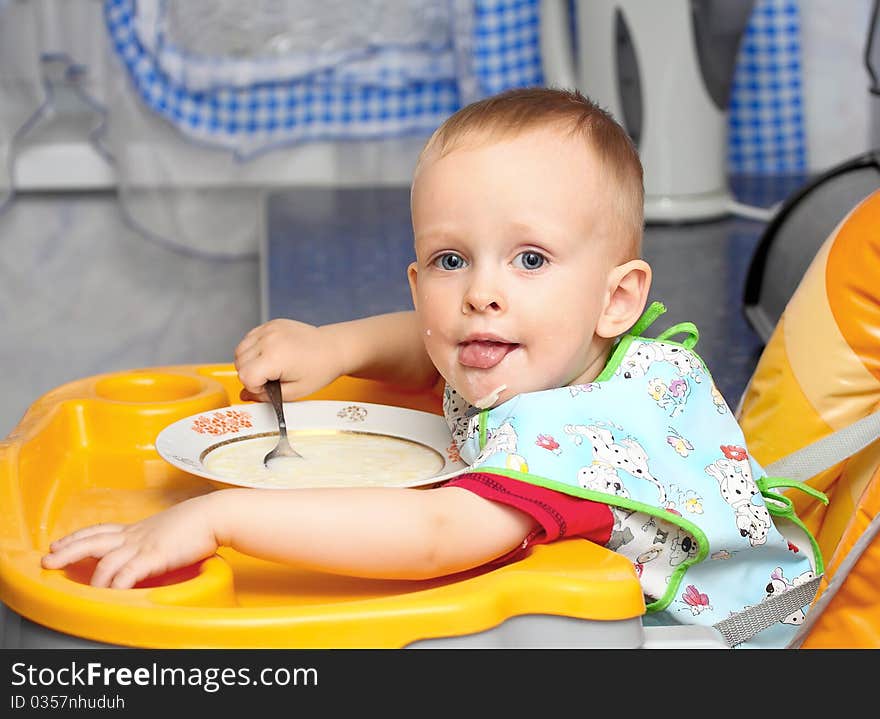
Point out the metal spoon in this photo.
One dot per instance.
(283, 448)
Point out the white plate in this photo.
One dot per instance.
(187, 442)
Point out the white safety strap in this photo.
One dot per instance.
(800, 465)
(742, 626)
(824, 453)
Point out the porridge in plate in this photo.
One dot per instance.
(329, 459)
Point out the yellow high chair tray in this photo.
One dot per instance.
(85, 453)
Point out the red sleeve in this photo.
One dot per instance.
(558, 515)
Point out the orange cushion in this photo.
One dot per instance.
(819, 372)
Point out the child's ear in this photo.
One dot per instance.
(628, 287)
(412, 274)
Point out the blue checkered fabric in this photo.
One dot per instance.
(400, 93)
(766, 125)
(507, 51)
(242, 106)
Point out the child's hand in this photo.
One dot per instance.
(129, 553)
(302, 356)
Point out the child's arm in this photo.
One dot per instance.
(305, 358)
(371, 532)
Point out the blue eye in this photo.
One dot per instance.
(530, 260)
(450, 261)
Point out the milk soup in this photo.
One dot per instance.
(329, 459)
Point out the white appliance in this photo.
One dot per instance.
(663, 68)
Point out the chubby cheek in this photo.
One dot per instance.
(437, 313)
(563, 352)
(431, 324)
(438, 350)
(434, 337)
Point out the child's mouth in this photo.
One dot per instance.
(484, 354)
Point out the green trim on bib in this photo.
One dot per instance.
(689, 328)
(615, 359)
(655, 309)
(484, 417)
(646, 320)
(781, 506)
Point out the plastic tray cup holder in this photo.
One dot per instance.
(149, 387)
(132, 407)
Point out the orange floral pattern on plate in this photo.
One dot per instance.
(222, 422)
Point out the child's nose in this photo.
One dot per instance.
(482, 295)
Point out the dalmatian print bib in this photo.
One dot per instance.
(653, 438)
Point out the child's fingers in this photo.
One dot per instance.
(249, 340)
(247, 396)
(246, 355)
(138, 567)
(83, 533)
(96, 544)
(242, 347)
(110, 565)
(254, 372)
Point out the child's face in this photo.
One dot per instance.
(513, 254)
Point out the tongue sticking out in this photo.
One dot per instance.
(483, 354)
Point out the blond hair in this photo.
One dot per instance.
(522, 109)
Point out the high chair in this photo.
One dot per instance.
(85, 453)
